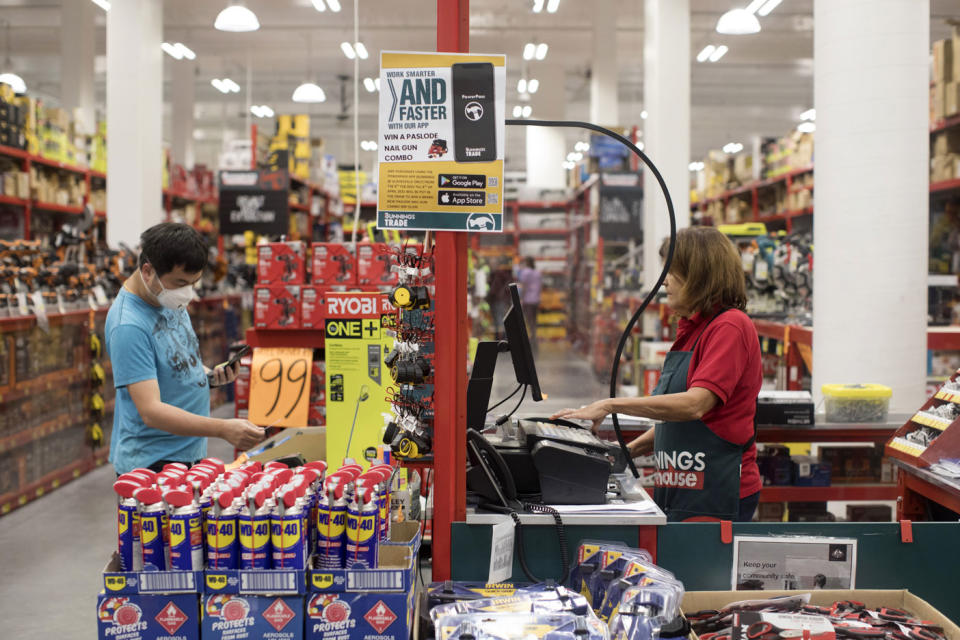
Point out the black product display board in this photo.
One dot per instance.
(254, 201)
(621, 206)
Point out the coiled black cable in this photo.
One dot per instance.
(561, 538)
(615, 370)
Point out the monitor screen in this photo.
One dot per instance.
(519, 341)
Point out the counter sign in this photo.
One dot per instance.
(441, 141)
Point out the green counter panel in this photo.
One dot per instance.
(928, 567)
(470, 548)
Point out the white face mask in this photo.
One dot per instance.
(173, 298)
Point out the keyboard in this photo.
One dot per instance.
(534, 431)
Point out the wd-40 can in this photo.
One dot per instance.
(153, 515)
(176, 466)
(186, 536)
(363, 533)
(255, 546)
(222, 544)
(151, 475)
(331, 528)
(286, 529)
(128, 526)
(381, 479)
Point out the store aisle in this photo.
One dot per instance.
(53, 550)
(566, 380)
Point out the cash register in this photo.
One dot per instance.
(536, 459)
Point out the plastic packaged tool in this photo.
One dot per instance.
(646, 582)
(535, 599)
(522, 626)
(441, 593)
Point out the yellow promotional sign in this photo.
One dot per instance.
(441, 142)
(280, 387)
(357, 379)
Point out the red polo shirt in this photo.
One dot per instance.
(726, 361)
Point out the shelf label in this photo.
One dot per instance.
(280, 387)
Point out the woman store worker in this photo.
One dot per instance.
(705, 401)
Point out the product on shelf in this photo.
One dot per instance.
(281, 263)
(277, 307)
(856, 402)
(333, 264)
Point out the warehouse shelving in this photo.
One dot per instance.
(752, 190)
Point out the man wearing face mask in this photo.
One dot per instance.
(162, 411)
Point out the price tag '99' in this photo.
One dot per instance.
(280, 387)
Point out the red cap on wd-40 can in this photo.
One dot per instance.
(274, 464)
(216, 463)
(283, 475)
(312, 475)
(125, 488)
(225, 498)
(136, 478)
(289, 497)
(146, 472)
(260, 498)
(178, 498)
(254, 466)
(177, 466)
(147, 496)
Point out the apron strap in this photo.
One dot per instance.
(700, 335)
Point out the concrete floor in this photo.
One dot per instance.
(53, 550)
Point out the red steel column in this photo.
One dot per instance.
(450, 390)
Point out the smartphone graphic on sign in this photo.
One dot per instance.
(474, 117)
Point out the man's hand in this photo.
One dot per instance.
(221, 375)
(594, 412)
(242, 434)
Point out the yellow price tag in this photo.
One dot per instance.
(280, 387)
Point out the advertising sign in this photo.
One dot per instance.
(621, 206)
(441, 141)
(254, 201)
(801, 562)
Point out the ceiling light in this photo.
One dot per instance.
(569, 165)
(348, 51)
(577, 157)
(361, 51)
(522, 85)
(809, 114)
(309, 92)
(267, 111)
(644, 114)
(368, 85)
(570, 157)
(319, 6)
(753, 6)
(738, 22)
(552, 6)
(186, 51)
(237, 18)
(232, 87)
(364, 145)
(532, 85)
(219, 86)
(705, 53)
(103, 4)
(376, 82)
(695, 166)
(732, 147)
(334, 5)
(640, 146)
(517, 111)
(16, 82)
(529, 50)
(537, 6)
(806, 127)
(719, 53)
(171, 50)
(767, 8)
(373, 146)
(527, 111)
(255, 110)
(541, 51)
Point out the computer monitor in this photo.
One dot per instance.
(485, 363)
(515, 326)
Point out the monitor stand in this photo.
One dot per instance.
(481, 381)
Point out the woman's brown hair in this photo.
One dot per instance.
(710, 269)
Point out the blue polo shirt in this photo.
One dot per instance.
(145, 342)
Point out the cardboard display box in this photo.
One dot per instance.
(148, 617)
(281, 263)
(376, 604)
(276, 307)
(872, 598)
(333, 264)
(309, 442)
(235, 616)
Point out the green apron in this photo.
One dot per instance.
(698, 472)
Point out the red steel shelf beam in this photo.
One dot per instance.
(849, 492)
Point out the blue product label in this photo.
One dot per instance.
(222, 544)
(287, 538)
(255, 544)
(151, 536)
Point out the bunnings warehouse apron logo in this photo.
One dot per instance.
(680, 469)
(422, 96)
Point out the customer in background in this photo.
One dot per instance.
(498, 295)
(162, 409)
(531, 284)
(706, 398)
